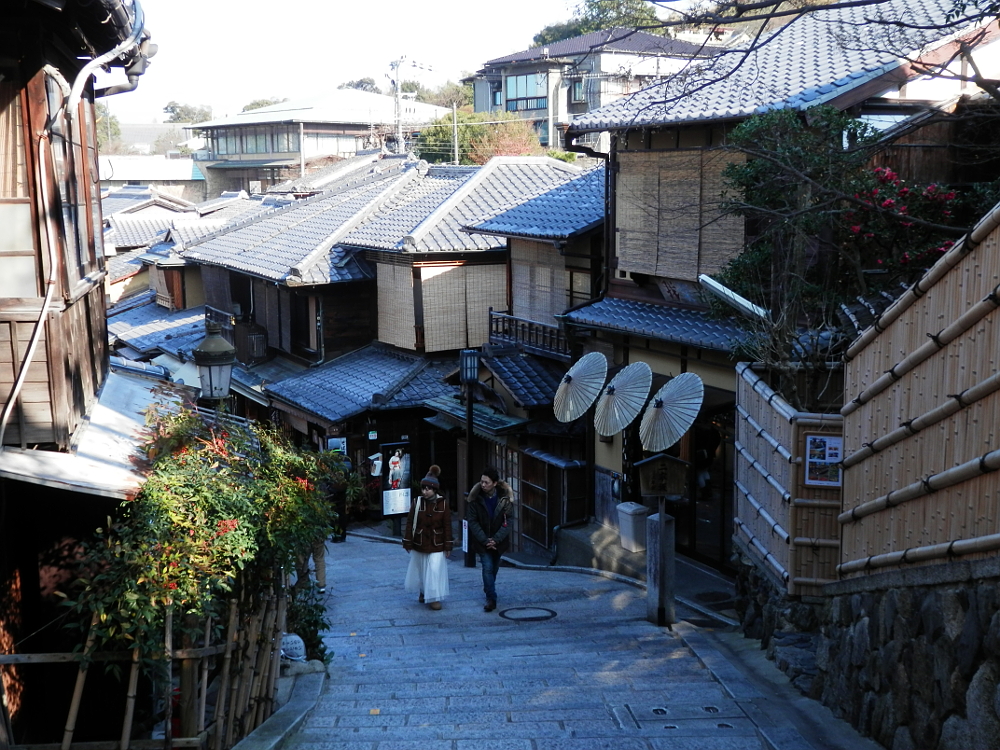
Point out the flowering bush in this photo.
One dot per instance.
(224, 507)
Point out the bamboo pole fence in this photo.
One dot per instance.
(785, 523)
(249, 659)
(921, 479)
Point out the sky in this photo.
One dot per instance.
(227, 53)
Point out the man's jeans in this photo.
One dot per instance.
(490, 561)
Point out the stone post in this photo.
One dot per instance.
(660, 569)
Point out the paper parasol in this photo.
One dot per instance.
(671, 412)
(622, 399)
(580, 386)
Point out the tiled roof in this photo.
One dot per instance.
(139, 231)
(609, 40)
(348, 385)
(485, 419)
(292, 244)
(817, 57)
(428, 215)
(123, 265)
(531, 381)
(662, 322)
(150, 328)
(567, 210)
(124, 198)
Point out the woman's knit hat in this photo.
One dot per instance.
(431, 480)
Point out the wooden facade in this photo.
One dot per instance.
(787, 494)
(53, 341)
(921, 415)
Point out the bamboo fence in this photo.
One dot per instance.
(921, 450)
(246, 663)
(784, 522)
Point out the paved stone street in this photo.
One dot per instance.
(567, 661)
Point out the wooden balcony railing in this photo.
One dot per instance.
(538, 338)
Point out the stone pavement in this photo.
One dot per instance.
(567, 661)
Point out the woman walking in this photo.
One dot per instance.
(428, 539)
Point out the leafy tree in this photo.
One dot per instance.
(415, 87)
(362, 84)
(448, 93)
(596, 15)
(170, 142)
(481, 135)
(258, 103)
(187, 112)
(109, 132)
(824, 227)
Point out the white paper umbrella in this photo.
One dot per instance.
(622, 399)
(671, 412)
(580, 386)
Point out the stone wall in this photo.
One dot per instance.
(909, 657)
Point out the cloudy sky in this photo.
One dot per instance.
(226, 53)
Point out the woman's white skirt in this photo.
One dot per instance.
(428, 572)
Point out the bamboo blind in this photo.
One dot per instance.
(790, 527)
(486, 287)
(637, 196)
(13, 169)
(217, 291)
(445, 305)
(539, 282)
(670, 218)
(926, 396)
(395, 306)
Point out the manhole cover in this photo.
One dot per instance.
(527, 614)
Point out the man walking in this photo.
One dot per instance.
(488, 510)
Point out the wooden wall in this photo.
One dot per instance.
(921, 418)
(785, 523)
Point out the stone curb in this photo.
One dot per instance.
(282, 723)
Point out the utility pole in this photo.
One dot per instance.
(397, 83)
(454, 129)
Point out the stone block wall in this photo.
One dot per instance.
(910, 658)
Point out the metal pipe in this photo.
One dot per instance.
(138, 26)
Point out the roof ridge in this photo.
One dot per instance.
(360, 216)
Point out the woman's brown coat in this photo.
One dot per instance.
(432, 530)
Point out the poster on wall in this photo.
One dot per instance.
(396, 479)
(823, 456)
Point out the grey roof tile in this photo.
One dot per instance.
(560, 213)
(531, 381)
(661, 322)
(150, 328)
(138, 231)
(608, 40)
(123, 265)
(816, 57)
(346, 386)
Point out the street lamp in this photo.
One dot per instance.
(214, 357)
(468, 365)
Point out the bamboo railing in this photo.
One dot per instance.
(784, 523)
(247, 664)
(922, 453)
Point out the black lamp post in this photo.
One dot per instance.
(214, 357)
(469, 367)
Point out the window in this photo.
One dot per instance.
(527, 92)
(576, 91)
(497, 97)
(286, 139)
(17, 244)
(305, 324)
(579, 287)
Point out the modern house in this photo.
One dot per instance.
(256, 149)
(550, 85)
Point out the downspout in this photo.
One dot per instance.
(609, 226)
(138, 24)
